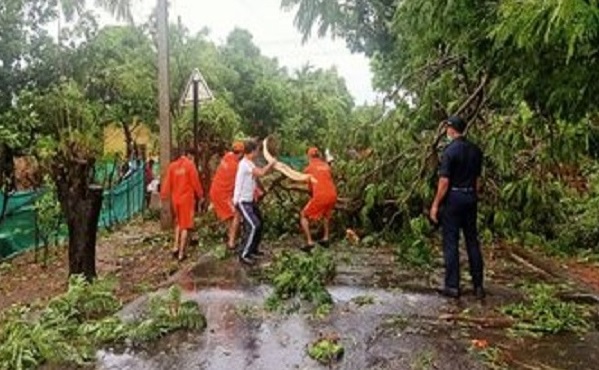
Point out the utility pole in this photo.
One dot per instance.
(163, 103)
(196, 139)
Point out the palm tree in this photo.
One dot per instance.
(327, 14)
(69, 9)
(120, 9)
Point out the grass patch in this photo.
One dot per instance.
(424, 360)
(6, 267)
(150, 214)
(300, 275)
(397, 322)
(544, 313)
(221, 252)
(248, 311)
(143, 287)
(363, 300)
(326, 350)
(491, 356)
(75, 324)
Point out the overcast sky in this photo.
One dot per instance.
(273, 32)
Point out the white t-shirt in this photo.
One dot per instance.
(153, 186)
(245, 183)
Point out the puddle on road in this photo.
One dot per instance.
(238, 338)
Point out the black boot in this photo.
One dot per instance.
(449, 292)
(479, 292)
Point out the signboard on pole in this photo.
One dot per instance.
(204, 92)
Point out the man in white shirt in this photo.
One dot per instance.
(243, 199)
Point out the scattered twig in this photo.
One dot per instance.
(529, 265)
(485, 322)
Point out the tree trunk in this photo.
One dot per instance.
(128, 139)
(82, 234)
(82, 213)
(7, 178)
(81, 202)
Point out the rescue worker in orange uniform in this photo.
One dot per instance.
(183, 184)
(323, 199)
(222, 188)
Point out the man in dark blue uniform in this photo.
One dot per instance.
(459, 182)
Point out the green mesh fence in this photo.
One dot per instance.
(18, 229)
(120, 203)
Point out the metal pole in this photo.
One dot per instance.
(195, 119)
(163, 98)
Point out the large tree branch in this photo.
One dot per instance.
(432, 149)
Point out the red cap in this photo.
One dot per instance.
(313, 152)
(238, 146)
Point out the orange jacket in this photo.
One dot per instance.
(182, 181)
(223, 183)
(324, 187)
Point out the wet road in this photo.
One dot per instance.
(240, 335)
(397, 327)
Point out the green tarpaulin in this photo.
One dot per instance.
(18, 229)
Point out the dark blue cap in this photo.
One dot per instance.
(457, 123)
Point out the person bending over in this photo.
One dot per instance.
(323, 198)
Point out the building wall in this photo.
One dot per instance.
(114, 139)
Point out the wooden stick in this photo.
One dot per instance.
(529, 265)
(485, 322)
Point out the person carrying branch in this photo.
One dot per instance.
(459, 183)
(323, 198)
(245, 201)
(222, 189)
(183, 184)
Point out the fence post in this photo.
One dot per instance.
(136, 192)
(128, 198)
(110, 211)
(143, 188)
(144, 204)
(36, 232)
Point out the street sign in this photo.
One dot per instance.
(204, 92)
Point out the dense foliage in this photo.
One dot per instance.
(521, 73)
(58, 95)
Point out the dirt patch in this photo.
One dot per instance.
(25, 281)
(136, 255)
(587, 273)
